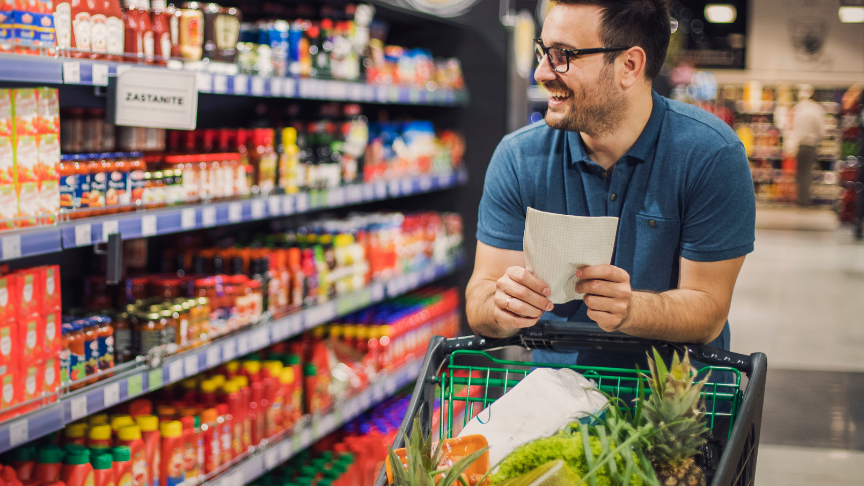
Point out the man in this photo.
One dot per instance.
(808, 128)
(675, 175)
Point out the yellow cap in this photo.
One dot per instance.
(189, 384)
(384, 330)
(100, 432)
(349, 331)
(232, 366)
(130, 432)
(289, 136)
(362, 332)
(121, 421)
(252, 367)
(274, 367)
(242, 381)
(287, 376)
(336, 330)
(148, 423)
(208, 386)
(230, 387)
(98, 419)
(172, 429)
(219, 380)
(76, 431)
(319, 332)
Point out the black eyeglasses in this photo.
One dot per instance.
(559, 59)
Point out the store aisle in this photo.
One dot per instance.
(799, 300)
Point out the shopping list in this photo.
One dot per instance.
(556, 245)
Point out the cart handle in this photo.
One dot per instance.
(574, 336)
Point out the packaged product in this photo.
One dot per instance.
(8, 194)
(10, 352)
(31, 331)
(51, 288)
(32, 378)
(48, 108)
(9, 385)
(6, 115)
(25, 111)
(9, 296)
(32, 285)
(51, 377)
(51, 343)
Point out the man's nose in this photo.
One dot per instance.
(544, 72)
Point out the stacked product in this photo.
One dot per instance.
(30, 339)
(29, 156)
(27, 26)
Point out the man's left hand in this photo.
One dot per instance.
(607, 294)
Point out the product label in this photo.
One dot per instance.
(30, 338)
(30, 383)
(215, 444)
(106, 352)
(170, 335)
(81, 27)
(174, 468)
(49, 284)
(27, 290)
(139, 470)
(227, 28)
(28, 201)
(50, 375)
(226, 450)
(149, 44)
(5, 341)
(68, 191)
(89, 481)
(49, 199)
(149, 340)
(190, 459)
(5, 112)
(8, 389)
(122, 340)
(98, 33)
(81, 198)
(125, 480)
(7, 161)
(115, 35)
(136, 185)
(91, 356)
(157, 458)
(98, 187)
(63, 25)
(4, 294)
(65, 363)
(27, 158)
(117, 189)
(165, 45)
(26, 112)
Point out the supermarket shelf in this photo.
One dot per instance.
(85, 232)
(143, 379)
(51, 70)
(280, 449)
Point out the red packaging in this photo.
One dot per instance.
(51, 377)
(51, 288)
(9, 298)
(210, 431)
(31, 388)
(224, 427)
(32, 285)
(10, 345)
(9, 395)
(191, 437)
(51, 339)
(48, 107)
(31, 332)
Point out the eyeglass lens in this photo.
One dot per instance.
(557, 58)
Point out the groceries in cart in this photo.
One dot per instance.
(556, 427)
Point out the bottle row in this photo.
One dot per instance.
(345, 43)
(184, 432)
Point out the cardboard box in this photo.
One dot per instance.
(33, 377)
(51, 289)
(32, 334)
(32, 285)
(49, 201)
(6, 114)
(9, 394)
(51, 338)
(25, 111)
(48, 107)
(10, 345)
(9, 298)
(8, 194)
(48, 162)
(51, 377)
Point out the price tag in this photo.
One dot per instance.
(377, 292)
(72, 73)
(110, 228)
(235, 212)
(380, 190)
(369, 192)
(394, 94)
(407, 186)
(295, 326)
(444, 180)
(363, 298)
(100, 74)
(220, 84)
(187, 218)
(154, 379)
(271, 458)
(257, 86)
(307, 437)
(297, 440)
(284, 450)
(425, 183)
(280, 330)
(208, 216)
(190, 365)
(258, 207)
(175, 371)
(11, 247)
(260, 339)
(381, 94)
(355, 193)
(289, 87)
(203, 82)
(243, 344)
(275, 87)
(355, 92)
(287, 204)
(148, 225)
(335, 197)
(111, 394)
(274, 205)
(213, 356)
(413, 96)
(82, 235)
(302, 202)
(134, 386)
(78, 407)
(229, 350)
(393, 188)
(241, 84)
(19, 432)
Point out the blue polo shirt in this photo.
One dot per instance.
(682, 190)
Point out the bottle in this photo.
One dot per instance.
(117, 192)
(48, 464)
(207, 396)
(99, 437)
(124, 350)
(77, 470)
(75, 344)
(149, 329)
(225, 425)
(91, 347)
(289, 157)
(149, 425)
(24, 461)
(243, 413)
(121, 457)
(172, 464)
(210, 428)
(191, 437)
(235, 409)
(98, 184)
(142, 406)
(264, 159)
(135, 188)
(130, 436)
(256, 413)
(161, 22)
(103, 471)
(105, 338)
(97, 419)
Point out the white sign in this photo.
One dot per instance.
(157, 98)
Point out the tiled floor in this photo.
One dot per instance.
(800, 299)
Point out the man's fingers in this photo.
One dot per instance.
(510, 320)
(603, 272)
(519, 291)
(526, 278)
(605, 304)
(601, 287)
(605, 320)
(516, 306)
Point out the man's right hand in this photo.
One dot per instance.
(520, 299)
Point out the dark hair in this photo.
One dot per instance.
(629, 23)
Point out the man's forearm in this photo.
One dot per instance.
(479, 304)
(679, 315)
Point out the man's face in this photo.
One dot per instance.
(587, 97)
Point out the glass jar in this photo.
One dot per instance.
(149, 327)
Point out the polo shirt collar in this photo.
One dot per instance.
(642, 150)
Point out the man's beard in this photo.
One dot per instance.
(595, 110)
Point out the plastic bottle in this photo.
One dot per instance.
(191, 466)
(98, 419)
(207, 396)
(225, 427)
(119, 421)
(142, 406)
(235, 409)
(210, 429)
(49, 461)
(245, 399)
(122, 465)
(76, 433)
(172, 471)
(9, 476)
(99, 437)
(152, 445)
(24, 461)
(258, 406)
(77, 470)
(130, 436)
(103, 471)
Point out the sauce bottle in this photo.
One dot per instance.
(24, 462)
(76, 434)
(91, 347)
(103, 471)
(149, 330)
(224, 427)
(258, 412)
(118, 421)
(210, 425)
(135, 186)
(122, 465)
(70, 169)
(190, 450)
(130, 436)
(98, 166)
(160, 19)
(105, 336)
(149, 425)
(99, 437)
(117, 193)
(48, 464)
(77, 470)
(172, 463)
(235, 417)
(264, 159)
(191, 31)
(123, 343)
(115, 34)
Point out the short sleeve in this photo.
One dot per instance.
(501, 219)
(720, 211)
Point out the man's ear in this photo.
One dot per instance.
(631, 66)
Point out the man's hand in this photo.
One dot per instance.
(520, 299)
(607, 294)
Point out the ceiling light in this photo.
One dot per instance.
(851, 15)
(717, 13)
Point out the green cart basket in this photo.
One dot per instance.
(733, 407)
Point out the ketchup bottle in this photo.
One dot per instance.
(48, 464)
(130, 436)
(100, 437)
(152, 445)
(190, 451)
(24, 462)
(172, 464)
(121, 457)
(210, 429)
(235, 409)
(224, 425)
(103, 472)
(77, 470)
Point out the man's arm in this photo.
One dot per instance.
(695, 312)
(502, 296)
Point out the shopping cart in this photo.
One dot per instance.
(733, 408)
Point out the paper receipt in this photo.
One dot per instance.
(556, 245)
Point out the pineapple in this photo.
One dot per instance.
(677, 413)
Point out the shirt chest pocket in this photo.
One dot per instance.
(657, 241)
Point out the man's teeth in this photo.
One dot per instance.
(559, 94)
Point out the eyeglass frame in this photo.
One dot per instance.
(575, 53)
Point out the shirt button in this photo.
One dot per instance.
(604, 175)
(652, 223)
(613, 197)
